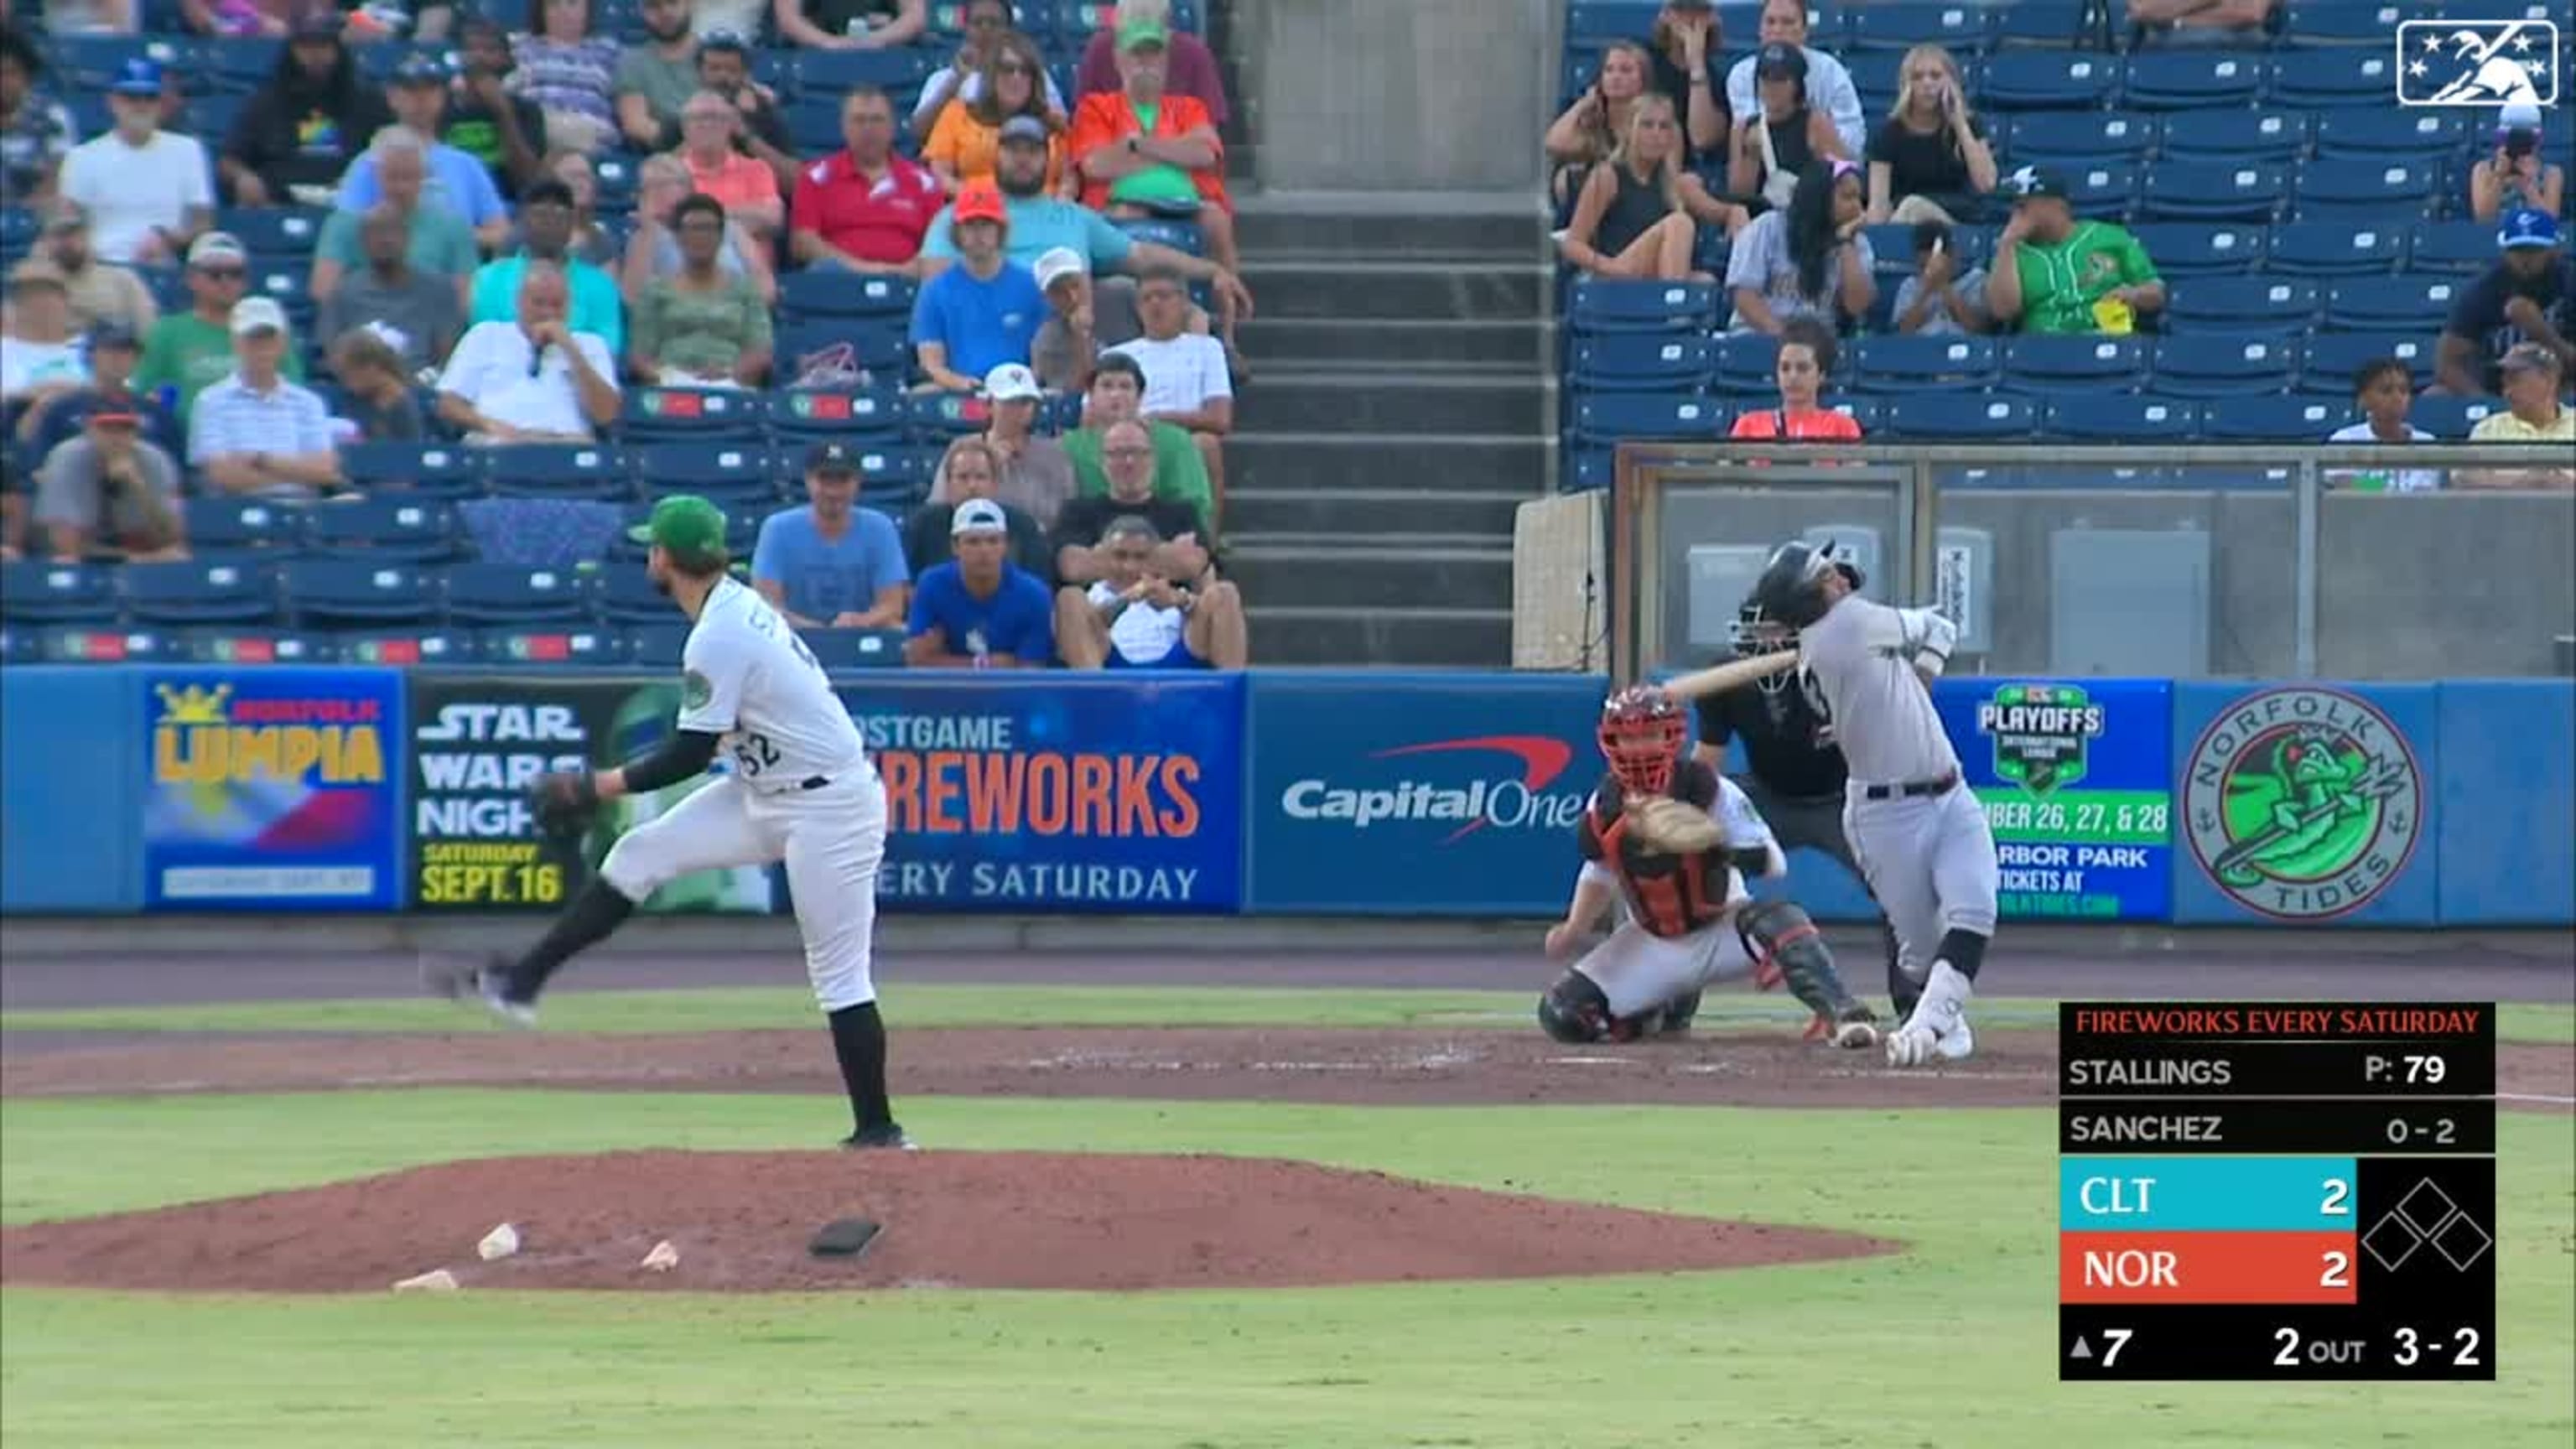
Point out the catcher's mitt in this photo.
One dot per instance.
(1673, 827)
(564, 802)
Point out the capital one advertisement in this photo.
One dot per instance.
(1422, 796)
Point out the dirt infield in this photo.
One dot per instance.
(1365, 1066)
(951, 1220)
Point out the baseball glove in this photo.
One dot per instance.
(1674, 827)
(564, 802)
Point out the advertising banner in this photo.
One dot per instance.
(1067, 793)
(272, 789)
(476, 743)
(1426, 795)
(2073, 776)
(2306, 804)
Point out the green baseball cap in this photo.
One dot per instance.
(684, 526)
(1141, 34)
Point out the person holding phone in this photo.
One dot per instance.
(1929, 160)
(2515, 177)
(1590, 129)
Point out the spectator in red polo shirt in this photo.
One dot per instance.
(864, 208)
(744, 185)
(1146, 150)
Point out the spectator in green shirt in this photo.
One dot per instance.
(188, 350)
(1117, 396)
(2055, 274)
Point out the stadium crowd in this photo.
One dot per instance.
(294, 236)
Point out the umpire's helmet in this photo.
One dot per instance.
(1755, 633)
(1791, 589)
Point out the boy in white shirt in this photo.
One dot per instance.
(2383, 390)
(1187, 383)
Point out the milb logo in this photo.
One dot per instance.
(2477, 63)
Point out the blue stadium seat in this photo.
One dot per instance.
(1958, 27)
(657, 645)
(2310, 24)
(2214, 365)
(2450, 418)
(2335, 358)
(2409, 300)
(2053, 365)
(487, 594)
(2451, 246)
(35, 592)
(2259, 419)
(1876, 76)
(2505, 10)
(855, 648)
(244, 644)
(1612, 417)
(895, 473)
(441, 470)
(97, 644)
(2319, 80)
(809, 414)
(2118, 417)
(560, 470)
(388, 527)
(2336, 248)
(1747, 360)
(1643, 362)
(1601, 21)
(199, 592)
(236, 524)
(415, 645)
(568, 643)
(2234, 136)
(2103, 193)
(333, 593)
(2192, 79)
(1963, 416)
(2199, 249)
(836, 72)
(2082, 138)
(2043, 23)
(2046, 80)
(842, 294)
(1595, 306)
(2381, 193)
(274, 234)
(2380, 133)
(813, 123)
(2242, 304)
(623, 594)
(1896, 363)
(731, 474)
(2211, 191)
(935, 417)
(882, 350)
(89, 63)
(701, 415)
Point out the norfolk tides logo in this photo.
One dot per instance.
(2042, 734)
(2302, 803)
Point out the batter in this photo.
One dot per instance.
(1922, 839)
(801, 789)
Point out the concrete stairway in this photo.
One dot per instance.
(1396, 414)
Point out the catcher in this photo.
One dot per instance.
(1669, 834)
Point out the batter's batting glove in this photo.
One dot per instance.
(564, 802)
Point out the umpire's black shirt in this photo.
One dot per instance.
(1781, 739)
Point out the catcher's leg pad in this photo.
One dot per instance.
(1574, 1010)
(1786, 946)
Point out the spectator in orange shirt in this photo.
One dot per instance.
(1193, 70)
(1145, 151)
(967, 140)
(1806, 357)
(743, 185)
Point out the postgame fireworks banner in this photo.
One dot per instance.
(2075, 779)
(272, 789)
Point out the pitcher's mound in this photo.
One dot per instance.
(741, 1222)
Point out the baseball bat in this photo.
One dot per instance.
(1733, 674)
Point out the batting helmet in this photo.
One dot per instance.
(1641, 737)
(1791, 589)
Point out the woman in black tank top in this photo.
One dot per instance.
(1775, 145)
(1638, 214)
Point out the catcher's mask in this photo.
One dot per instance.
(1754, 634)
(1791, 590)
(1641, 737)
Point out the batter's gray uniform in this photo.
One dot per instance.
(1920, 834)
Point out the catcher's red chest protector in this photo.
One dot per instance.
(1670, 895)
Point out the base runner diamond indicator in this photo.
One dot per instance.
(2392, 1242)
(2463, 1242)
(2426, 1208)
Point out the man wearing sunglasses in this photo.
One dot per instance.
(188, 351)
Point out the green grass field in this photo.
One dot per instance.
(1950, 1343)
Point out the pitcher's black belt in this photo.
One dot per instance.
(1913, 789)
(815, 782)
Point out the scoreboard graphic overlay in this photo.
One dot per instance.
(2276, 1190)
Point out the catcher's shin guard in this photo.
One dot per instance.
(1787, 948)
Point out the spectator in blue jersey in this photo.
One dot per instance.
(981, 611)
(831, 564)
(983, 312)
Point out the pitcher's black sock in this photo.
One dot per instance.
(859, 1040)
(593, 914)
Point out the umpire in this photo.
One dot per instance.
(1797, 773)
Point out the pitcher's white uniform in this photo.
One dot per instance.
(801, 789)
(1920, 834)
(1638, 970)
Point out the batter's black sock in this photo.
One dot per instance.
(1902, 990)
(1964, 950)
(859, 1040)
(593, 914)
